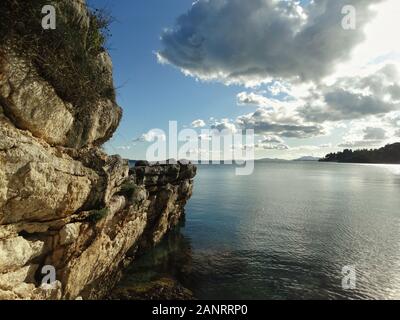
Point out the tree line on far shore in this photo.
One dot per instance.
(389, 154)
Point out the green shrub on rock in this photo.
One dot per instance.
(97, 215)
(128, 189)
(67, 57)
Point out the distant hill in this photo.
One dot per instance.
(270, 160)
(307, 158)
(390, 154)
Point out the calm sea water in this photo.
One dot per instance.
(286, 232)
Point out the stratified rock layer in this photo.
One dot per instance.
(63, 202)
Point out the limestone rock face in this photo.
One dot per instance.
(31, 102)
(64, 203)
(38, 181)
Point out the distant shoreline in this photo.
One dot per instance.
(354, 162)
(389, 154)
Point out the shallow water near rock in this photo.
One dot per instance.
(285, 232)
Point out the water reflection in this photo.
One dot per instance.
(285, 232)
(171, 259)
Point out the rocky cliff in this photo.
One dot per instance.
(64, 203)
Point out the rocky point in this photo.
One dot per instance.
(64, 202)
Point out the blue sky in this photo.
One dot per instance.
(152, 93)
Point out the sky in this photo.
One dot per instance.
(309, 77)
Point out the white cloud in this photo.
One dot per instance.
(224, 126)
(254, 99)
(123, 147)
(250, 42)
(152, 135)
(198, 123)
(278, 123)
(354, 97)
(271, 139)
(272, 146)
(371, 133)
(361, 144)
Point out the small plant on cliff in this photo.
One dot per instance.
(98, 215)
(66, 57)
(127, 189)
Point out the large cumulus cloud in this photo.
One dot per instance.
(247, 42)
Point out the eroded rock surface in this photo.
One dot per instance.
(65, 203)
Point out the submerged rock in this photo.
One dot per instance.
(161, 289)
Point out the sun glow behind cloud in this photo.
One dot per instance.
(383, 32)
(381, 42)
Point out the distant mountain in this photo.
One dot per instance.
(270, 160)
(390, 154)
(307, 158)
